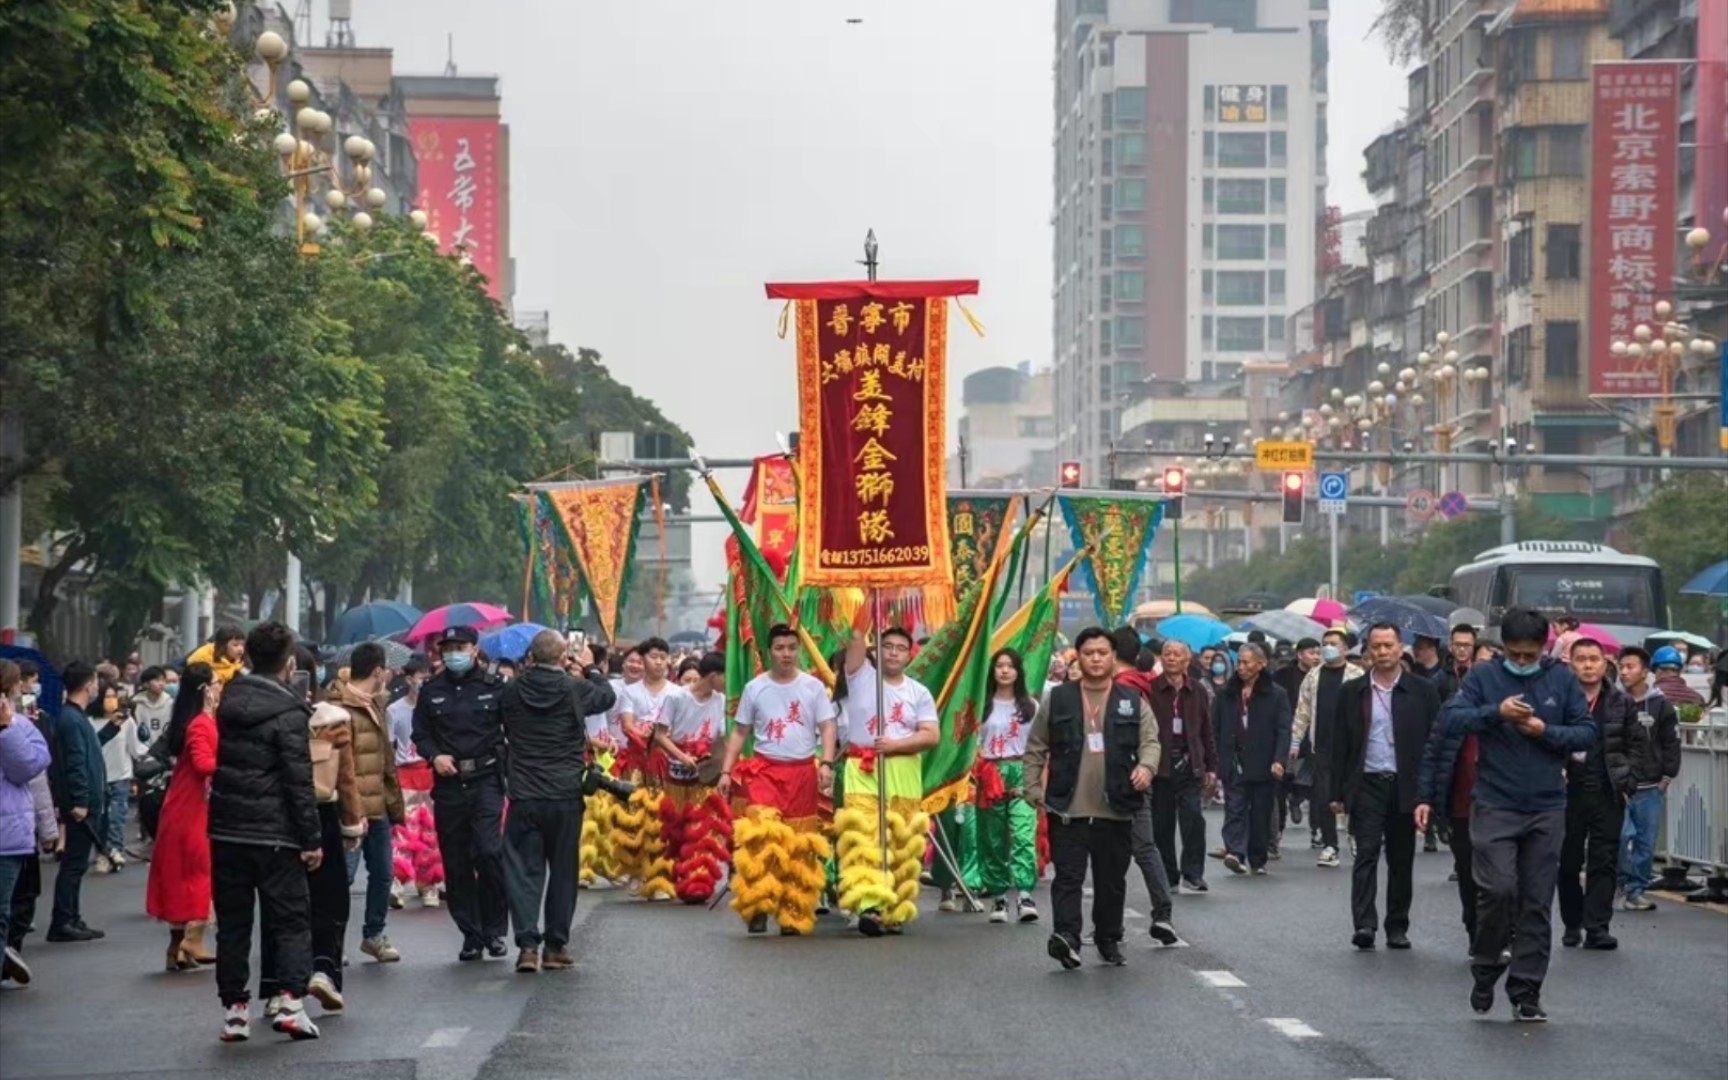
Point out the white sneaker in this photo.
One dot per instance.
(324, 989)
(999, 913)
(273, 1007)
(380, 949)
(949, 901)
(102, 865)
(292, 1021)
(1328, 857)
(236, 1023)
(116, 860)
(1028, 910)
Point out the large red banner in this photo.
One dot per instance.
(872, 386)
(462, 189)
(1634, 171)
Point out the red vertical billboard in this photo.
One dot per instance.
(1634, 172)
(461, 189)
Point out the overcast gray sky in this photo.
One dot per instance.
(670, 156)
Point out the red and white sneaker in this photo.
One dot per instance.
(292, 1021)
(237, 1022)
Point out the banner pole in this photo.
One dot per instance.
(881, 726)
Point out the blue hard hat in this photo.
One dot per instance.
(1667, 656)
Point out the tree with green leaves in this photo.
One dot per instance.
(1684, 527)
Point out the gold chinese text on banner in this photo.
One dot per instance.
(600, 521)
(872, 384)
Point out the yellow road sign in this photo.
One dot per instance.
(1284, 456)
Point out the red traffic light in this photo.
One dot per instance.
(1069, 475)
(1293, 481)
(1175, 480)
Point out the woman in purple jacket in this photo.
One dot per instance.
(23, 756)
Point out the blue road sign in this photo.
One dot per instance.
(1454, 505)
(1334, 492)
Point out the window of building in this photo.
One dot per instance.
(1107, 110)
(1206, 331)
(1131, 151)
(1566, 151)
(1107, 157)
(1241, 334)
(1518, 355)
(1561, 440)
(1131, 107)
(1106, 240)
(1131, 196)
(1131, 241)
(1278, 155)
(1206, 286)
(1242, 149)
(1565, 253)
(1207, 203)
(1130, 332)
(1524, 55)
(1206, 241)
(1275, 329)
(1520, 258)
(1280, 103)
(1131, 286)
(1275, 197)
(1242, 241)
(1106, 335)
(1276, 234)
(1560, 350)
(1209, 148)
(1103, 292)
(1241, 196)
(1209, 96)
(1275, 287)
(1570, 58)
(1241, 288)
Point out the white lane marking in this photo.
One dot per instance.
(1292, 1027)
(1130, 913)
(443, 1038)
(1220, 979)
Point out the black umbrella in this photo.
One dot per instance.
(1412, 620)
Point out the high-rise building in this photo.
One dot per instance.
(1189, 179)
(1006, 429)
(463, 146)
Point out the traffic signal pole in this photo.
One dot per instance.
(1176, 540)
(1332, 544)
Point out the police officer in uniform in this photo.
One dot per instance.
(457, 727)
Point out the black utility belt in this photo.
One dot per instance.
(466, 767)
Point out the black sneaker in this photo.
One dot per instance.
(1363, 939)
(471, 951)
(496, 949)
(758, 924)
(791, 931)
(72, 932)
(1163, 933)
(1482, 994)
(1572, 938)
(1397, 941)
(1602, 941)
(1191, 886)
(870, 924)
(1063, 952)
(1110, 951)
(1529, 1011)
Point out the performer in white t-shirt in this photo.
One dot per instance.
(693, 814)
(884, 751)
(638, 843)
(792, 720)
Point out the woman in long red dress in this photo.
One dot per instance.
(179, 892)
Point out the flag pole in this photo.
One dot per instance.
(870, 267)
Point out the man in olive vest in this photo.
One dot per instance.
(1101, 744)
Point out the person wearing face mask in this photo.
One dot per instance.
(1296, 790)
(1311, 735)
(1529, 715)
(457, 727)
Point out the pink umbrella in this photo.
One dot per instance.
(1324, 612)
(1561, 644)
(479, 616)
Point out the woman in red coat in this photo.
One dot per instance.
(179, 892)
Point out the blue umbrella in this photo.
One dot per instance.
(510, 643)
(1411, 620)
(371, 621)
(1194, 631)
(1710, 581)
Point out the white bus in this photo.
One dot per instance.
(1623, 594)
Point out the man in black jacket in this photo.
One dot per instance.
(264, 834)
(545, 715)
(1384, 720)
(1654, 766)
(1598, 783)
(1252, 717)
(79, 781)
(456, 728)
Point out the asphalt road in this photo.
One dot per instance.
(1266, 985)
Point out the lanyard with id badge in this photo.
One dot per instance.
(1094, 722)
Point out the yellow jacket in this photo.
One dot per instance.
(224, 670)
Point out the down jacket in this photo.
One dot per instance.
(262, 791)
(1609, 761)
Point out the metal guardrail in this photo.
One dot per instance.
(1695, 812)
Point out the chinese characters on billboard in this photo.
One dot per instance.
(1633, 173)
(1241, 104)
(461, 189)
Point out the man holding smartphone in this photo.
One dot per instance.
(1529, 715)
